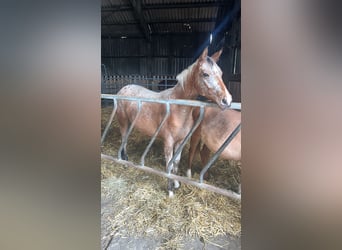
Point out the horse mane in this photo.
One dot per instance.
(181, 77)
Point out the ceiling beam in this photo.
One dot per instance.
(137, 10)
(115, 8)
(185, 5)
(198, 20)
(225, 16)
(109, 35)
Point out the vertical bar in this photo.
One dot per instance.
(235, 56)
(124, 140)
(181, 146)
(155, 134)
(110, 121)
(219, 151)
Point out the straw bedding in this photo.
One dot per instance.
(140, 203)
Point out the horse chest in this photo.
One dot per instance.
(181, 124)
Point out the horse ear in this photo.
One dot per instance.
(204, 55)
(217, 55)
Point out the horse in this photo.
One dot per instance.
(203, 77)
(213, 130)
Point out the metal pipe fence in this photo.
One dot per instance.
(168, 174)
(112, 84)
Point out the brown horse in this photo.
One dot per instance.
(214, 129)
(203, 77)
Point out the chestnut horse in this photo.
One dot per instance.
(214, 129)
(203, 77)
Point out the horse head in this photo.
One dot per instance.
(209, 81)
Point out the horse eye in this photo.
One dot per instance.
(205, 74)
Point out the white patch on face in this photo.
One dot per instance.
(211, 82)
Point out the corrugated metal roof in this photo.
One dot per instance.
(162, 28)
(161, 16)
(109, 3)
(178, 1)
(122, 17)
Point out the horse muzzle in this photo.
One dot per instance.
(225, 103)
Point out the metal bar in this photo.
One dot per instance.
(124, 140)
(186, 180)
(155, 134)
(185, 140)
(219, 151)
(115, 106)
(234, 105)
(200, 104)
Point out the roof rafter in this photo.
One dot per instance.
(195, 20)
(137, 10)
(115, 8)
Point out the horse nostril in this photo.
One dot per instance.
(224, 101)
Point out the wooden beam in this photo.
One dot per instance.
(137, 10)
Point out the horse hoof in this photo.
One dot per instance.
(171, 194)
(188, 173)
(176, 184)
(124, 156)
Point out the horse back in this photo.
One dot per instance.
(133, 90)
(151, 114)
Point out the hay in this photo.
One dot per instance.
(141, 206)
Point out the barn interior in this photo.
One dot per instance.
(150, 42)
(160, 38)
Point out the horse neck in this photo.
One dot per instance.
(185, 88)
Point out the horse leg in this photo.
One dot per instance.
(205, 153)
(124, 155)
(176, 164)
(168, 151)
(194, 149)
(124, 124)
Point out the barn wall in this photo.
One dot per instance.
(168, 55)
(230, 61)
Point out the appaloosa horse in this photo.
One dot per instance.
(203, 77)
(214, 129)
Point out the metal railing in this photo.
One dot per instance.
(112, 84)
(168, 174)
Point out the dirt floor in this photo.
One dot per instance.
(137, 214)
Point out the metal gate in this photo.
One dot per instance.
(168, 173)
